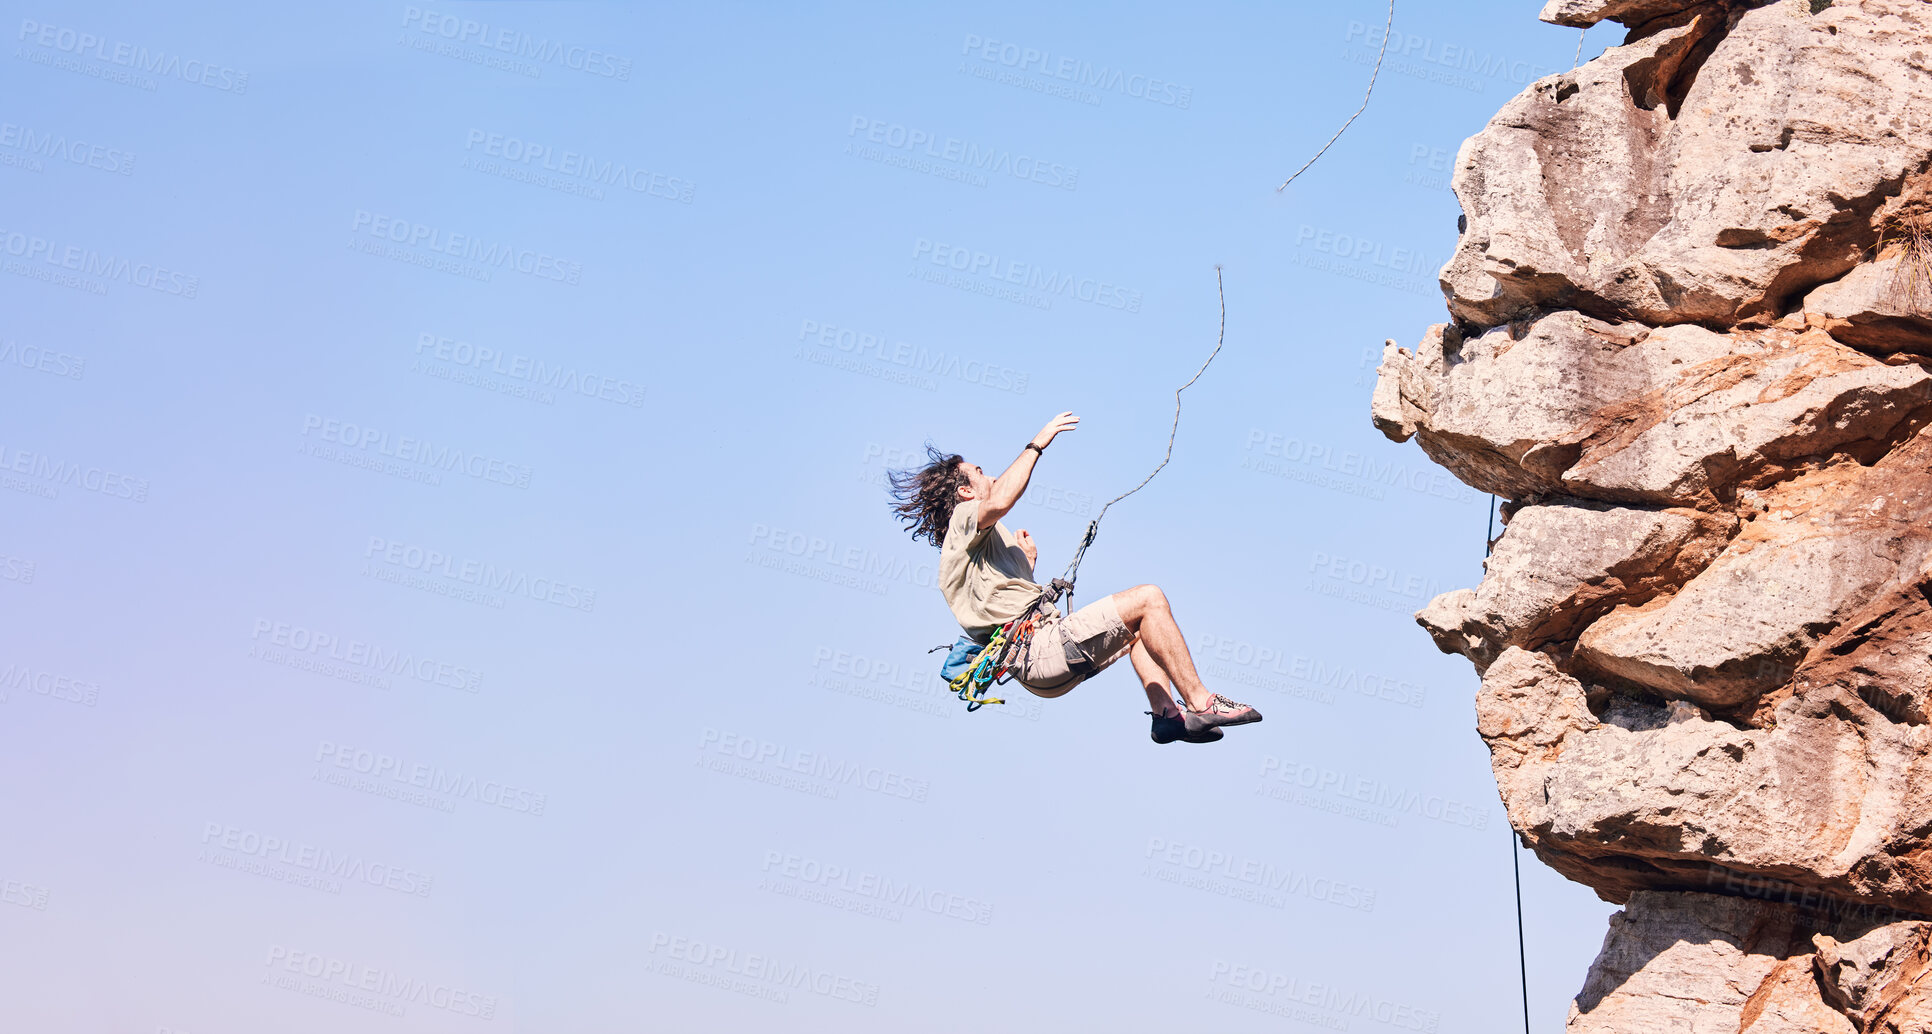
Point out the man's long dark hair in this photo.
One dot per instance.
(925, 496)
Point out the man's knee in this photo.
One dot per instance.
(1139, 601)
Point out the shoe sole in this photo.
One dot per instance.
(1231, 723)
(1190, 737)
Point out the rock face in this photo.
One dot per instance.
(1689, 341)
(1698, 962)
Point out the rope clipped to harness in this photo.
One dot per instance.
(993, 662)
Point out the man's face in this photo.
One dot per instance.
(977, 486)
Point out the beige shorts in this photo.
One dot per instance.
(1095, 630)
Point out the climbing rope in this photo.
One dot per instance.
(1358, 111)
(1515, 863)
(1064, 583)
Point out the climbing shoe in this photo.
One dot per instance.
(1219, 712)
(1168, 728)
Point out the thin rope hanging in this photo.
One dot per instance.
(1358, 111)
(1515, 863)
(1064, 583)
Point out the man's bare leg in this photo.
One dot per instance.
(1144, 610)
(1153, 680)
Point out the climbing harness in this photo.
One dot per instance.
(1377, 70)
(973, 666)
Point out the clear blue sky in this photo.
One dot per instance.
(448, 586)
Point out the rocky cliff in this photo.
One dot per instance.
(1689, 341)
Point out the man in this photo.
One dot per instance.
(986, 575)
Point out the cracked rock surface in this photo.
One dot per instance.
(1689, 343)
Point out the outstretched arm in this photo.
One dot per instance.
(1008, 487)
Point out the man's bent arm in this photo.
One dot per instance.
(1008, 487)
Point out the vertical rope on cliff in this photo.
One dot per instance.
(1377, 70)
(1515, 861)
(1578, 59)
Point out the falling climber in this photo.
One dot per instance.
(1011, 625)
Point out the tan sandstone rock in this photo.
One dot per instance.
(1679, 415)
(1711, 171)
(1690, 324)
(1705, 964)
(1559, 567)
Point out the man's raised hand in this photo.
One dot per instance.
(1063, 422)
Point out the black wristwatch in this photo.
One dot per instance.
(1035, 448)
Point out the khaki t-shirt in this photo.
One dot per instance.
(983, 572)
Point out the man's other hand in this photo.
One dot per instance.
(1063, 422)
(1026, 546)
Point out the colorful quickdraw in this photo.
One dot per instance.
(994, 662)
